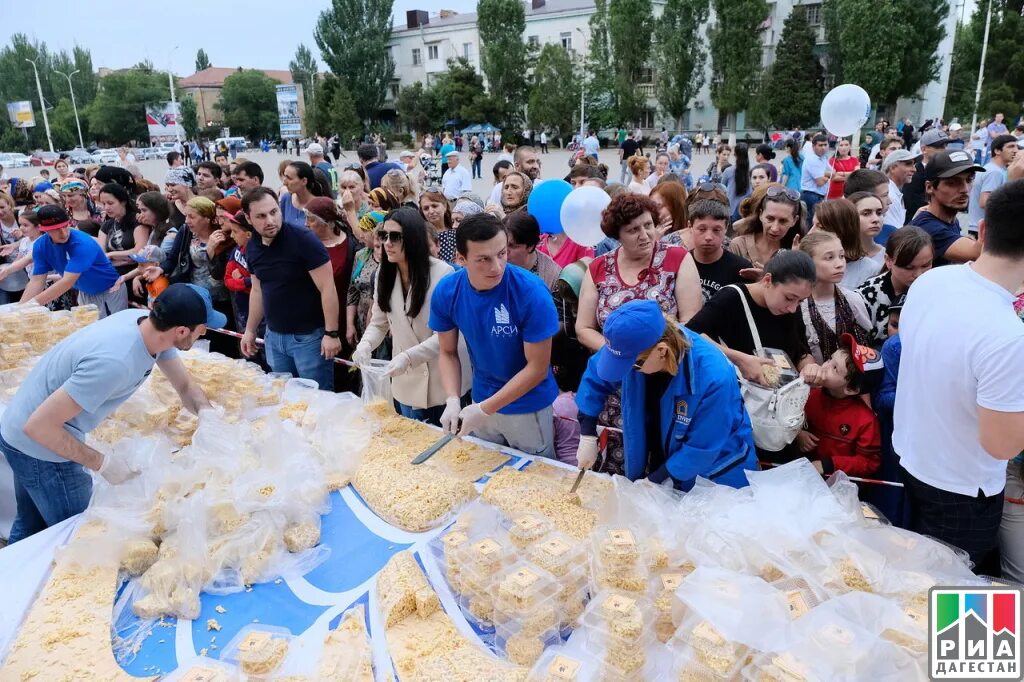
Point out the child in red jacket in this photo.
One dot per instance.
(841, 431)
(236, 274)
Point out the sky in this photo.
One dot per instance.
(251, 34)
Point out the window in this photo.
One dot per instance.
(814, 15)
(394, 91)
(417, 56)
(646, 75)
(566, 39)
(533, 42)
(467, 51)
(432, 52)
(647, 118)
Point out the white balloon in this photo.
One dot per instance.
(845, 109)
(581, 215)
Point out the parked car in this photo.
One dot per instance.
(14, 160)
(78, 157)
(105, 156)
(167, 146)
(41, 158)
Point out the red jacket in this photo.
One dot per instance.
(849, 436)
(236, 263)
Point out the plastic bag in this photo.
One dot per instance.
(376, 386)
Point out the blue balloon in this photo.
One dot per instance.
(545, 204)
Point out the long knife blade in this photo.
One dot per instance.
(576, 484)
(432, 450)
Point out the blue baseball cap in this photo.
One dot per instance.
(629, 331)
(187, 305)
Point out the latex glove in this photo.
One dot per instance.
(115, 470)
(450, 416)
(586, 452)
(472, 417)
(361, 355)
(399, 365)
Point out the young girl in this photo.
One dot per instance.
(869, 213)
(831, 310)
(28, 223)
(791, 166)
(844, 165)
(640, 167)
(908, 255)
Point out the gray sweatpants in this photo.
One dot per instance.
(108, 302)
(532, 433)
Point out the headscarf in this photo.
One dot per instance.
(467, 207)
(115, 174)
(370, 221)
(179, 176)
(527, 188)
(42, 186)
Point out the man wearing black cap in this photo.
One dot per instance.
(932, 142)
(948, 179)
(77, 384)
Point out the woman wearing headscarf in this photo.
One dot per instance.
(364, 275)
(515, 191)
(76, 200)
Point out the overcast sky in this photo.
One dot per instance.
(252, 34)
(255, 33)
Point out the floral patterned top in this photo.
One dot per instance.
(657, 282)
(360, 291)
(878, 295)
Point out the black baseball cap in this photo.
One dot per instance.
(946, 164)
(187, 305)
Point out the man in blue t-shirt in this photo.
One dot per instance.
(948, 180)
(78, 259)
(508, 319)
(369, 157)
(318, 160)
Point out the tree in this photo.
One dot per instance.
(503, 55)
(1003, 82)
(303, 69)
(189, 116)
(202, 60)
(601, 100)
(118, 113)
(353, 39)
(555, 95)
(460, 93)
(249, 102)
(628, 19)
(919, 57)
(680, 55)
(792, 98)
(333, 111)
(735, 46)
(418, 109)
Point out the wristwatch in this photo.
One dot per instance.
(334, 335)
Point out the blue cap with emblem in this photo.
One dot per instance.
(629, 331)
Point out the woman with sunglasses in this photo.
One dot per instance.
(76, 200)
(406, 280)
(774, 225)
(683, 415)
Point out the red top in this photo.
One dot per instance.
(657, 282)
(569, 253)
(341, 264)
(242, 283)
(849, 436)
(847, 165)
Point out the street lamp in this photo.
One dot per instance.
(42, 102)
(174, 101)
(81, 142)
(583, 81)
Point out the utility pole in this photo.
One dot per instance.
(583, 83)
(981, 68)
(42, 102)
(81, 142)
(174, 101)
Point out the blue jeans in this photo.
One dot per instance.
(430, 415)
(299, 355)
(811, 199)
(46, 493)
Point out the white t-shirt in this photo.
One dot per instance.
(962, 348)
(897, 213)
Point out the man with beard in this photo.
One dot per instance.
(526, 160)
(948, 179)
(77, 384)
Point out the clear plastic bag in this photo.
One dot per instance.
(376, 386)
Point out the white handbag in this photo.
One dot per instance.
(776, 414)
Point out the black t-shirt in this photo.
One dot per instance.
(291, 302)
(177, 218)
(723, 320)
(630, 147)
(914, 196)
(721, 273)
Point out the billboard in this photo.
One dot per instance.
(162, 120)
(21, 114)
(288, 111)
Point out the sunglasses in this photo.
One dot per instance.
(388, 236)
(711, 187)
(776, 192)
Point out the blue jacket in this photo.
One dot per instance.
(703, 420)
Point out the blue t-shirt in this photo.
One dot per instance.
(450, 147)
(496, 323)
(376, 170)
(291, 301)
(290, 215)
(80, 253)
(943, 234)
(792, 172)
(99, 366)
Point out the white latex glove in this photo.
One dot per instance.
(472, 418)
(586, 452)
(399, 365)
(361, 355)
(450, 416)
(115, 469)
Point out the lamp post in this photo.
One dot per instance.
(42, 102)
(174, 101)
(81, 142)
(583, 82)
(981, 72)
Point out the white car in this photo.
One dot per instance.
(105, 156)
(14, 160)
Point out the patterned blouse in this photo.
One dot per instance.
(657, 282)
(360, 291)
(878, 295)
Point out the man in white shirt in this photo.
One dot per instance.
(815, 175)
(959, 414)
(899, 167)
(591, 145)
(457, 180)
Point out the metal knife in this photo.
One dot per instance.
(576, 484)
(432, 450)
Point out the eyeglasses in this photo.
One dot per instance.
(388, 236)
(711, 187)
(776, 192)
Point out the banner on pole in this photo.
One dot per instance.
(163, 123)
(288, 111)
(21, 114)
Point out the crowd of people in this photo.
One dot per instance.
(845, 284)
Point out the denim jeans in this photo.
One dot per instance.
(430, 415)
(46, 492)
(811, 199)
(299, 355)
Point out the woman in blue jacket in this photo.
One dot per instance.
(683, 416)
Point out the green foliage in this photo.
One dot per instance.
(1003, 84)
(600, 96)
(680, 54)
(418, 109)
(249, 102)
(353, 39)
(118, 114)
(792, 92)
(333, 111)
(304, 72)
(460, 94)
(503, 56)
(757, 112)
(919, 57)
(555, 95)
(629, 24)
(735, 46)
(189, 117)
(202, 60)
